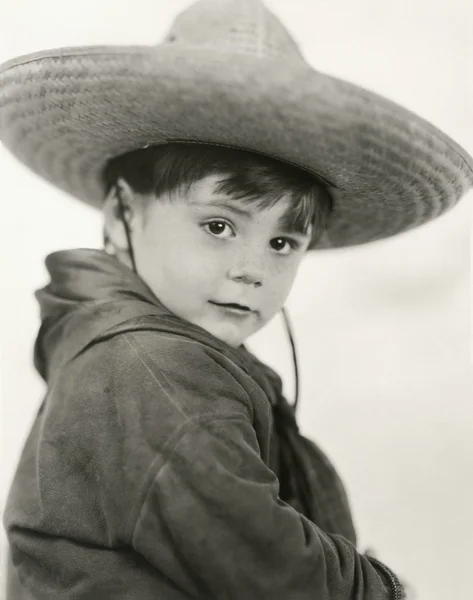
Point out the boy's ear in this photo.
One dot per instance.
(113, 224)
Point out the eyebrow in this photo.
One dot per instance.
(247, 214)
(244, 212)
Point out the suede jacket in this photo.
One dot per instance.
(151, 470)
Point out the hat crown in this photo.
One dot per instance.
(234, 26)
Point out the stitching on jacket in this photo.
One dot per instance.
(235, 380)
(177, 434)
(173, 440)
(177, 438)
(153, 375)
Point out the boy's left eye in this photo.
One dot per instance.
(292, 244)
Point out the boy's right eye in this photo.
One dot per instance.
(216, 228)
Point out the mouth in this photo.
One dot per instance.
(233, 307)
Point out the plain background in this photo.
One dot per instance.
(382, 331)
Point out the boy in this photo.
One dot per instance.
(165, 461)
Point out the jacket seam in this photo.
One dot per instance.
(150, 372)
(153, 375)
(176, 437)
(177, 434)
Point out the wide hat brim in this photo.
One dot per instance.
(65, 112)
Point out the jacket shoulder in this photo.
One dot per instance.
(162, 368)
(114, 412)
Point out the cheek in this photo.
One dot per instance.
(191, 264)
(284, 274)
(280, 284)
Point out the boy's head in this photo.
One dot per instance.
(214, 225)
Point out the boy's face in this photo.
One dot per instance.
(196, 251)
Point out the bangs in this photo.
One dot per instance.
(306, 207)
(170, 170)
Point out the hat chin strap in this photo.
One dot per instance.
(294, 357)
(127, 230)
(283, 310)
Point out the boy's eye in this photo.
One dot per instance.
(281, 243)
(216, 227)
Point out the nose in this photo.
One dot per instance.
(249, 271)
(250, 280)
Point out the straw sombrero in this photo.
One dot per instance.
(229, 73)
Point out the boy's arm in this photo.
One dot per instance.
(212, 522)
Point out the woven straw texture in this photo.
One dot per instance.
(239, 81)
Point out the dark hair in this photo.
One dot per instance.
(246, 176)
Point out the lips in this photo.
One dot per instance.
(232, 305)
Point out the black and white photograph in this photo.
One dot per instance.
(236, 300)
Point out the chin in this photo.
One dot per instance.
(229, 338)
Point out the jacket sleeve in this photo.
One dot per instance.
(213, 523)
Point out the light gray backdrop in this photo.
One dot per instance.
(382, 331)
